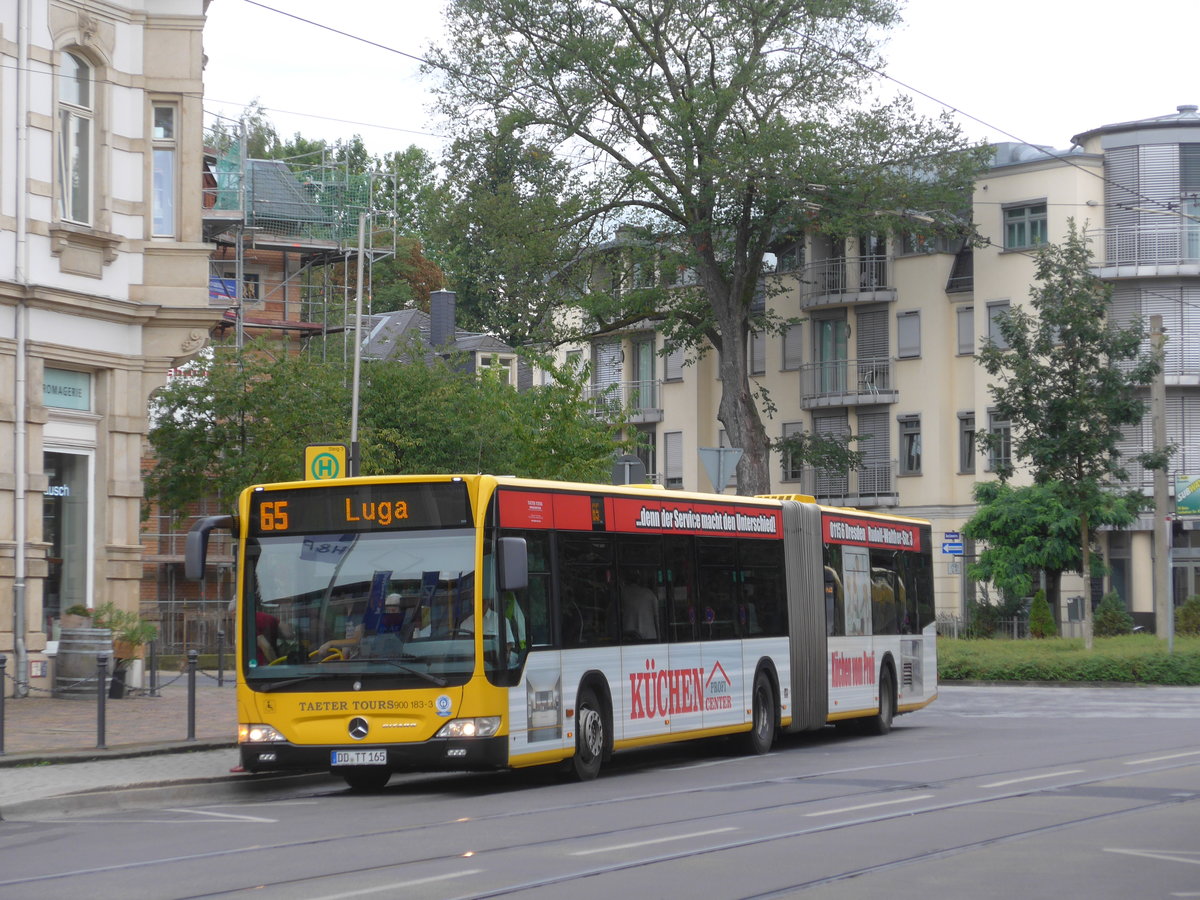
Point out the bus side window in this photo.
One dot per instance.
(680, 586)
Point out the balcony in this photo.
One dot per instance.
(847, 382)
(1143, 251)
(845, 280)
(637, 399)
(871, 486)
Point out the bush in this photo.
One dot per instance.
(1130, 659)
(1112, 618)
(1187, 617)
(1041, 619)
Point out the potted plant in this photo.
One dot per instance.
(130, 632)
(76, 616)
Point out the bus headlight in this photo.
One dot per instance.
(480, 727)
(258, 734)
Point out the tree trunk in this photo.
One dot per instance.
(1086, 553)
(744, 428)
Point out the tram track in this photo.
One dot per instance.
(1165, 760)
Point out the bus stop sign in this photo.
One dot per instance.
(324, 461)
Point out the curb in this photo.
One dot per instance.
(239, 788)
(123, 751)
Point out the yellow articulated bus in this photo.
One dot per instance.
(473, 622)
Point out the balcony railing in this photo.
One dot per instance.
(874, 484)
(1153, 246)
(843, 279)
(640, 399)
(846, 382)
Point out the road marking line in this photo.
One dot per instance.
(996, 784)
(1138, 762)
(399, 884)
(1183, 856)
(846, 809)
(218, 815)
(662, 840)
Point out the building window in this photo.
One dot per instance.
(758, 353)
(673, 365)
(908, 334)
(910, 445)
(793, 349)
(673, 459)
(76, 109)
(996, 312)
(499, 366)
(1000, 458)
(163, 171)
(1025, 226)
(966, 443)
(793, 468)
(67, 527)
(966, 330)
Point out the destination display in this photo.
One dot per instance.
(343, 509)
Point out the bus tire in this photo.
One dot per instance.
(762, 716)
(881, 722)
(366, 778)
(589, 735)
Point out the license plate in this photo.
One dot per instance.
(358, 758)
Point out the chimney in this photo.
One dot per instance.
(441, 319)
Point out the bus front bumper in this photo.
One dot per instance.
(443, 754)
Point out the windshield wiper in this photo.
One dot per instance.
(428, 676)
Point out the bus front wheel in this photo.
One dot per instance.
(589, 735)
(762, 724)
(367, 778)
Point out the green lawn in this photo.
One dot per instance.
(1135, 658)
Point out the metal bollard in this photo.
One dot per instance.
(3, 689)
(220, 657)
(101, 694)
(191, 663)
(153, 663)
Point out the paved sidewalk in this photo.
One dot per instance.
(50, 751)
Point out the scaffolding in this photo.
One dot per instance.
(285, 236)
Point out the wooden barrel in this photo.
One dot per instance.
(75, 665)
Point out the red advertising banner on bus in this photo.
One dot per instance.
(843, 529)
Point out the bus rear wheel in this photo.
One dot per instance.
(881, 722)
(589, 735)
(762, 725)
(366, 778)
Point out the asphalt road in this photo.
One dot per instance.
(989, 793)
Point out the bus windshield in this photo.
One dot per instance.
(380, 605)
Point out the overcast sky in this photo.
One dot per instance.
(1034, 70)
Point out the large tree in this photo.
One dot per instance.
(1069, 382)
(715, 127)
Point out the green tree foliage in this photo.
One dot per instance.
(1187, 616)
(709, 126)
(826, 453)
(234, 419)
(1041, 619)
(437, 417)
(506, 234)
(230, 419)
(1112, 618)
(1069, 382)
(1030, 529)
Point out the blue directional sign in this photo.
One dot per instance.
(953, 536)
(953, 548)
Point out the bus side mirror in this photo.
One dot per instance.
(195, 550)
(512, 564)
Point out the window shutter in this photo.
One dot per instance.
(793, 348)
(908, 334)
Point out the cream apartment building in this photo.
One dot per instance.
(103, 288)
(890, 328)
